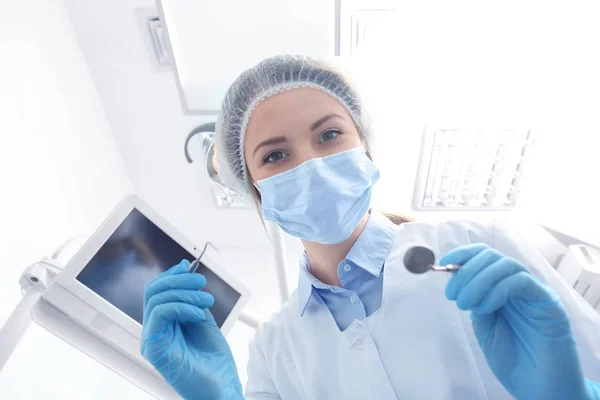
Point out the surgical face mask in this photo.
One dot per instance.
(322, 200)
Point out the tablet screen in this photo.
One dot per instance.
(137, 252)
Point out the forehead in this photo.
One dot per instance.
(290, 112)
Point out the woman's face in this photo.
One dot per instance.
(294, 126)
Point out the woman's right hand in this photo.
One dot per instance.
(181, 339)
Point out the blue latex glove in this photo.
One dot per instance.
(181, 339)
(520, 324)
(593, 390)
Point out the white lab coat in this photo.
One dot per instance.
(418, 345)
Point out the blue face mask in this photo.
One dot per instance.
(322, 200)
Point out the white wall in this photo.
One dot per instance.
(563, 188)
(60, 174)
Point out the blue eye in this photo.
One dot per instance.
(329, 135)
(275, 157)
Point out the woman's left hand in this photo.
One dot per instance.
(519, 322)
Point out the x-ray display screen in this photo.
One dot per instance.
(137, 252)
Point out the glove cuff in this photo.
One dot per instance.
(233, 391)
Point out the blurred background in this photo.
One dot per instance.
(97, 99)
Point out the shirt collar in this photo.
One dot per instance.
(369, 253)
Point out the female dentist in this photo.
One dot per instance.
(292, 134)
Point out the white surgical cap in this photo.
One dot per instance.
(269, 77)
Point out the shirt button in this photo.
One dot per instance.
(358, 344)
(352, 298)
(347, 267)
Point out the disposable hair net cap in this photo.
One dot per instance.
(271, 76)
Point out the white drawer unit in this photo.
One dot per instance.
(580, 267)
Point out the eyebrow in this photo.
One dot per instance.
(269, 142)
(321, 121)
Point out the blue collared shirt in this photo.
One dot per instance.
(416, 335)
(360, 274)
